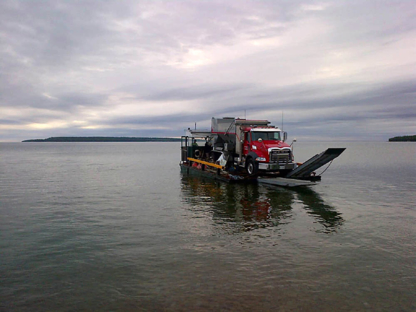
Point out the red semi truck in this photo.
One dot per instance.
(252, 144)
(235, 144)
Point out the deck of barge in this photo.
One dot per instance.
(243, 178)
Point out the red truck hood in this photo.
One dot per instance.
(270, 144)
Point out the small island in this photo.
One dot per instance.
(406, 138)
(104, 139)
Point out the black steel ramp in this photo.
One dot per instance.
(304, 171)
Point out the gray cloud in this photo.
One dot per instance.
(204, 92)
(156, 67)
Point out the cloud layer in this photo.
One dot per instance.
(339, 70)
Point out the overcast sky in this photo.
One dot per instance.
(339, 70)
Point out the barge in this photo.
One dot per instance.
(247, 151)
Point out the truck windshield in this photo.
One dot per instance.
(275, 135)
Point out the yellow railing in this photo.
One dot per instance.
(205, 163)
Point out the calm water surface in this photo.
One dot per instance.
(116, 227)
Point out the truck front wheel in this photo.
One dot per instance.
(252, 167)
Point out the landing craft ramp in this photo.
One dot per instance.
(304, 171)
(285, 182)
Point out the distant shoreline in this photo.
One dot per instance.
(405, 138)
(104, 139)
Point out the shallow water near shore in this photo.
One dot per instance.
(116, 226)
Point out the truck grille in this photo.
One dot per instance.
(280, 156)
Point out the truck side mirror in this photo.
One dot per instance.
(284, 136)
(294, 140)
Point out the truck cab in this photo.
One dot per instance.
(264, 149)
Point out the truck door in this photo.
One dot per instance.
(246, 144)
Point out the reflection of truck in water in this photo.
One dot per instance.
(240, 150)
(245, 207)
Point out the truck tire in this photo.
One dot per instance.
(252, 167)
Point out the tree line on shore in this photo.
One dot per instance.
(406, 138)
(104, 139)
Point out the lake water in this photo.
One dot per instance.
(116, 227)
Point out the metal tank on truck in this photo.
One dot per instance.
(252, 144)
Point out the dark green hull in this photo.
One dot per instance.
(221, 176)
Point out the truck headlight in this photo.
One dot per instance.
(261, 159)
